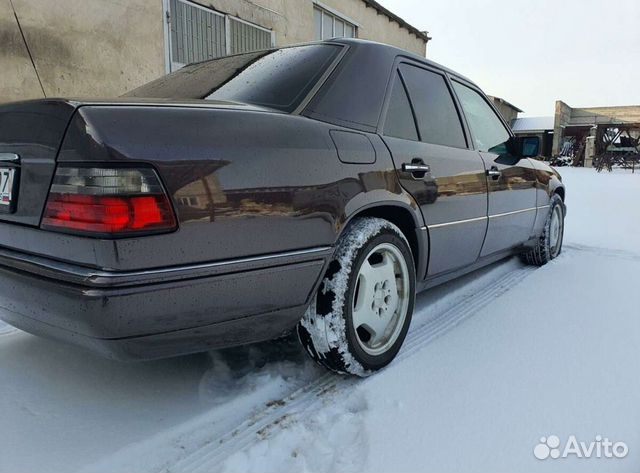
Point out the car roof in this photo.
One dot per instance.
(353, 95)
(365, 43)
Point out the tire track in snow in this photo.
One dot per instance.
(208, 457)
(252, 430)
(624, 254)
(448, 319)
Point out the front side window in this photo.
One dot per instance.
(399, 122)
(278, 79)
(436, 114)
(488, 132)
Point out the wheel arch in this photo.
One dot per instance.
(556, 187)
(553, 183)
(405, 218)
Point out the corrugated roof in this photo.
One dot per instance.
(392, 16)
(533, 124)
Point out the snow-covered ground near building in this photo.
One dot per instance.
(493, 362)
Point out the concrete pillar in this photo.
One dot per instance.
(561, 120)
(590, 147)
(589, 151)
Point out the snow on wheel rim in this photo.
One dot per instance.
(555, 231)
(381, 299)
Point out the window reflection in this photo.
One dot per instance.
(204, 198)
(488, 132)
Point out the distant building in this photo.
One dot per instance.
(542, 127)
(107, 47)
(508, 111)
(579, 134)
(595, 131)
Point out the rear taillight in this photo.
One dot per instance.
(107, 202)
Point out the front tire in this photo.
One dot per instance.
(360, 316)
(549, 245)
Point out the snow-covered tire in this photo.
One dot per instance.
(549, 245)
(369, 285)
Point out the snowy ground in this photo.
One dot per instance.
(493, 362)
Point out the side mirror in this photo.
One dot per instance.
(528, 146)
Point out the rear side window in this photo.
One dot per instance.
(399, 122)
(488, 132)
(438, 120)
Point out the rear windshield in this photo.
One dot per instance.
(278, 79)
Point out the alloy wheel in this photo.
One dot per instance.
(381, 299)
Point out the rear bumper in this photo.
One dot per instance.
(161, 312)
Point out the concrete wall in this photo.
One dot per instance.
(561, 120)
(375, 26)
(17, 78)
(104, 48)
(292, 20)
(605, 115)
(80, 47)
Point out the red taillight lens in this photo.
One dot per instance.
(107, 202)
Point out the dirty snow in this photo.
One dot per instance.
(493, 362)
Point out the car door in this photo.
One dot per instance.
(424, 132)
(511, 180)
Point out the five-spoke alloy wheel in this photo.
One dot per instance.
(360, 316)
(381, 299)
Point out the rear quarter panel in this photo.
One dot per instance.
(242, 182)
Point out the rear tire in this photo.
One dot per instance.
(360, 316)
(549, 245)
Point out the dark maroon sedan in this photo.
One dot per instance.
(315, 188)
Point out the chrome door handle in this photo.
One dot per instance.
(415, 167)
(494, 173)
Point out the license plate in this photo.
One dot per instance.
(6, 187)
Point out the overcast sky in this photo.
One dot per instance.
(532, 52)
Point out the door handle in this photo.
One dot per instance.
(494, 173)
(417, 168)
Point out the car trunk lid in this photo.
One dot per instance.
(30, 135)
